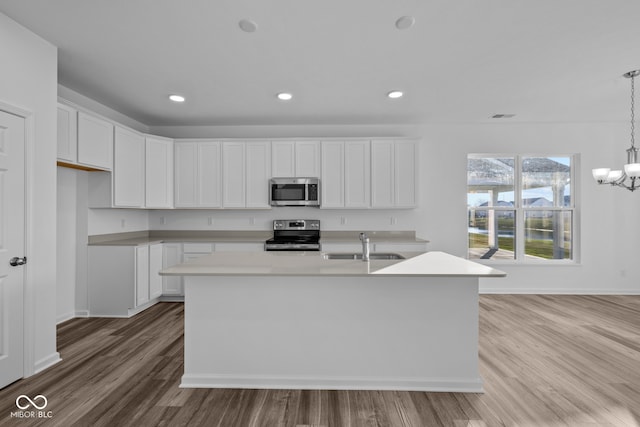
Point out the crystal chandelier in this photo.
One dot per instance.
(632, 167)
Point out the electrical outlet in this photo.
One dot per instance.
(393, 221)
(210, 220)
(252, 221)
(163, 220)
(343, 220)
(123, 223)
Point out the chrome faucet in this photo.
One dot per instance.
(365, 246)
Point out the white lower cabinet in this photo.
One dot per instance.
(172, 255)
(142, 275)
(156, 260)
(123, 280)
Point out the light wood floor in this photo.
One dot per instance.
(545, 360)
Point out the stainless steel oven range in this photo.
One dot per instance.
(294, 235)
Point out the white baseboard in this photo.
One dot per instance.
(172, 298)
(47, 362)
(82, 313)
(64, 317)
(472, 385)
(556, 291)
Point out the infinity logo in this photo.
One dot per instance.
(30, 402)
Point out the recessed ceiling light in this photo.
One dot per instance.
(503, 116)
(176, 98)
(405, 22)
(284, 96)
(395, 94)
(247, 25)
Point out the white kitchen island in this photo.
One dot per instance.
(298, 320)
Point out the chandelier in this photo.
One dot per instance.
(632, 167)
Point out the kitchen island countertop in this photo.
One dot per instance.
(315, 264)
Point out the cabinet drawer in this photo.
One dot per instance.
(199, 248)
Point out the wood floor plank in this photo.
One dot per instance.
(546, 360)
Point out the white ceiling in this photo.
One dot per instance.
(462, 61)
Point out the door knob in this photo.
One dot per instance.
(16, 261)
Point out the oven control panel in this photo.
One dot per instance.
(296, 224)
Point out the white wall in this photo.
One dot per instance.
(28, 77)
(606, 223)
(107, 221)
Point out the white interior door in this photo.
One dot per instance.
(12, 246)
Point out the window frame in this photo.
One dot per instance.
(519, 211)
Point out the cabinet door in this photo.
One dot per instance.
(307, 159)
(283, 159)
(159, 172)
(155, 265)
(128, 169)
(258, 172)
(186, 175)
(171, 255)
(95, 141)
(357, 174)
(332, 177)
(209, 173)
(405, 178)
(233, 174)
(142, 275)
(67, 133)
(382, 174)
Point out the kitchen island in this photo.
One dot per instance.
(299, 320)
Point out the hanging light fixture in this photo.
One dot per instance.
(632, 167)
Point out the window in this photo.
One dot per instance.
(520, 207)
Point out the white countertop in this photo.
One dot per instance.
(314, 264)
(241, 236)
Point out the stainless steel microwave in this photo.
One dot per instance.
(294, 192)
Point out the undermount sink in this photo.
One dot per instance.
(372, 256)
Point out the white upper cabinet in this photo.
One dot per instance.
(258, 172)
(346, 177)
(128, 169)
(382, 171)
(357, 174)
(332, 177)
(67, 134)
(406, 174)
(308, 159)
(198, 174)
(295, 159)
(283, 158)
(246, 172)
(233, 174)
(394, 173)
(95, 141)
(159, 172)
